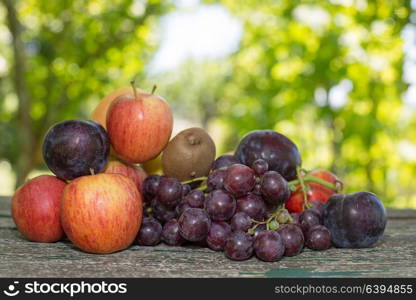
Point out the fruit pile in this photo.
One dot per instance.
(256, 201)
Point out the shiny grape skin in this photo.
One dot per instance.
(194, 224)
(169, 191)
(170, 233)
(257, 189)
(274, 188)
(76, 148)
(181, 207)
(186, 189)
(196, 199)
(224, 161)
(149, 233)
(162, 212)
(260, 166)
(280, 152)
(253, 205)
(308, 219)
(259, 228)
(215, 180)
(241, 222)
(150, 187)
(292, 237)
(239, 180)
(355, 220)
(218, 235)
(220, 205)
(239, 246)
(269, 246)
(318, 237)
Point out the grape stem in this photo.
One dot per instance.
(195, 179)
(311, 178)
(301, 178)
(270, 219)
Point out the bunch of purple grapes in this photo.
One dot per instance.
(237, 209)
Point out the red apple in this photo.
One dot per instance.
(101, 213)
(135, 173)
(36, 209)
(316, 191)
(99, 114)
(139, 126)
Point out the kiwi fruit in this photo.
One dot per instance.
(189, 154)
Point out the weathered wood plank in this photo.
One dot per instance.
(391, 257)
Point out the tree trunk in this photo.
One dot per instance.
(26, 135)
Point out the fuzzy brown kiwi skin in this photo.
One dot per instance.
(189, 154)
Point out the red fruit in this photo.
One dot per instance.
(139, 126)
(296, 202)
(36, 209)
(135, 173)
(327, 176)
(101, 213)
(316, 191)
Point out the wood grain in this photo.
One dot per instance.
(393, 256)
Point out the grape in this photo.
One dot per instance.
(186, 189)
(194, 224)
(239, 180)
(196, 199)
(169, 191)
(270, 208)
(259, 228)
(162, 212)
(318, 237)
(308, 219)
(295, 218)
(224, 161)
(355, 220)
(181, 207)
(277, 150)
(283, 216)
(170, 233)
(240, 222)
(149, 233)
(269, 246)
(257, 189)
(252, 205)
(76, 148)
(260, 166)
(215, 180)
(319, 208)
(218, 235)
(220, 205)
(150, 187)
(292, 237)
(274, 188)
(239, 246)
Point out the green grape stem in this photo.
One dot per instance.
(202, 178)
(311, 178)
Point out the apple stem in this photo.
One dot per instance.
(153, 89)
(92, 171)
(133, 85)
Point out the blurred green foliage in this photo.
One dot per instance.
(334, 86)
(65, 56)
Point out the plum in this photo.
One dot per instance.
(355, 220)
(280, 153)
(76, 148)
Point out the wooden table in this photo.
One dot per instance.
(393, 256)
